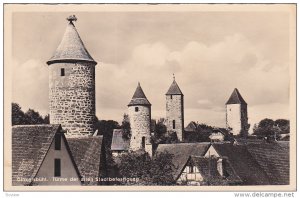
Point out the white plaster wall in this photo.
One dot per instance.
(67, 169)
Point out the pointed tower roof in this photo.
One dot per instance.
(174, 88)
(71, 47)
(139, 97)
(236, 98)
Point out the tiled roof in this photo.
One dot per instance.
(208, 169)
(30, 144)
(191, 127)
(181, 153)
(118, 142)
(243, 163)
(87, 155)
(71, 48)
(139, 97)
(174, 89)
(236, 98)
(274, 160)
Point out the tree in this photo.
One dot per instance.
(284, 125)
(267, 129)
(18, 116)
(155, 171)
(47, 119)
(126, 127)
(30, 117)
(33, 117)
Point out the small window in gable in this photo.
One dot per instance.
(57, 141)
(136, 109)
(62, 72)
(57, 168)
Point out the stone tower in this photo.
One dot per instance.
(139, 111)
(72, 84)
(236, 114)
(175, 110)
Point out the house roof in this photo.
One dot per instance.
(139, 97)
(274, 160)
(191, 127)
(236, 98)
(174, 89)
(71, 48)
(242, 162)
(118, 143)
(30, 144)
(87, 155)
(208, 169)
(181, 153)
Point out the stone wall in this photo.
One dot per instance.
(72, 97)
(237, 119)
(174, 109)
(140, 126)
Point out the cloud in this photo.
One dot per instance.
(207, 74)
(30, 85)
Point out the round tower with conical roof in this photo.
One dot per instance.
(175, 110)
(237, 115)
(72, 84)
(139, 111)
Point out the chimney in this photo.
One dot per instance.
(220, 166)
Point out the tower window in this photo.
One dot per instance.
(173, 124)
(57, 168)
(62, 72)
(143, 142)
(136, 109)
(57, 141)
(171, 96)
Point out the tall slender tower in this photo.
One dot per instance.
(72, 84)
(236, 114)
(174, 109)
(139, 111)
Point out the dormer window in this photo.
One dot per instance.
(62, 72)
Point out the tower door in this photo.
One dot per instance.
(143, 142)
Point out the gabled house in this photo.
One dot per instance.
(253, 163)
(200, 170)
(119, 144)
(41, 156)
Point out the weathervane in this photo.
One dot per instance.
(173, 76)
(72, 18)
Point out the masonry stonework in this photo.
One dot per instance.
(72, 96)
(175, 115)
(140, 126)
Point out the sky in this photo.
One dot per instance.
(210, 53)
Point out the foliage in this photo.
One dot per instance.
(126, 127)
(105, 128)
(155, 171)
(201, 134)
(270, 129)
(30, 117)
